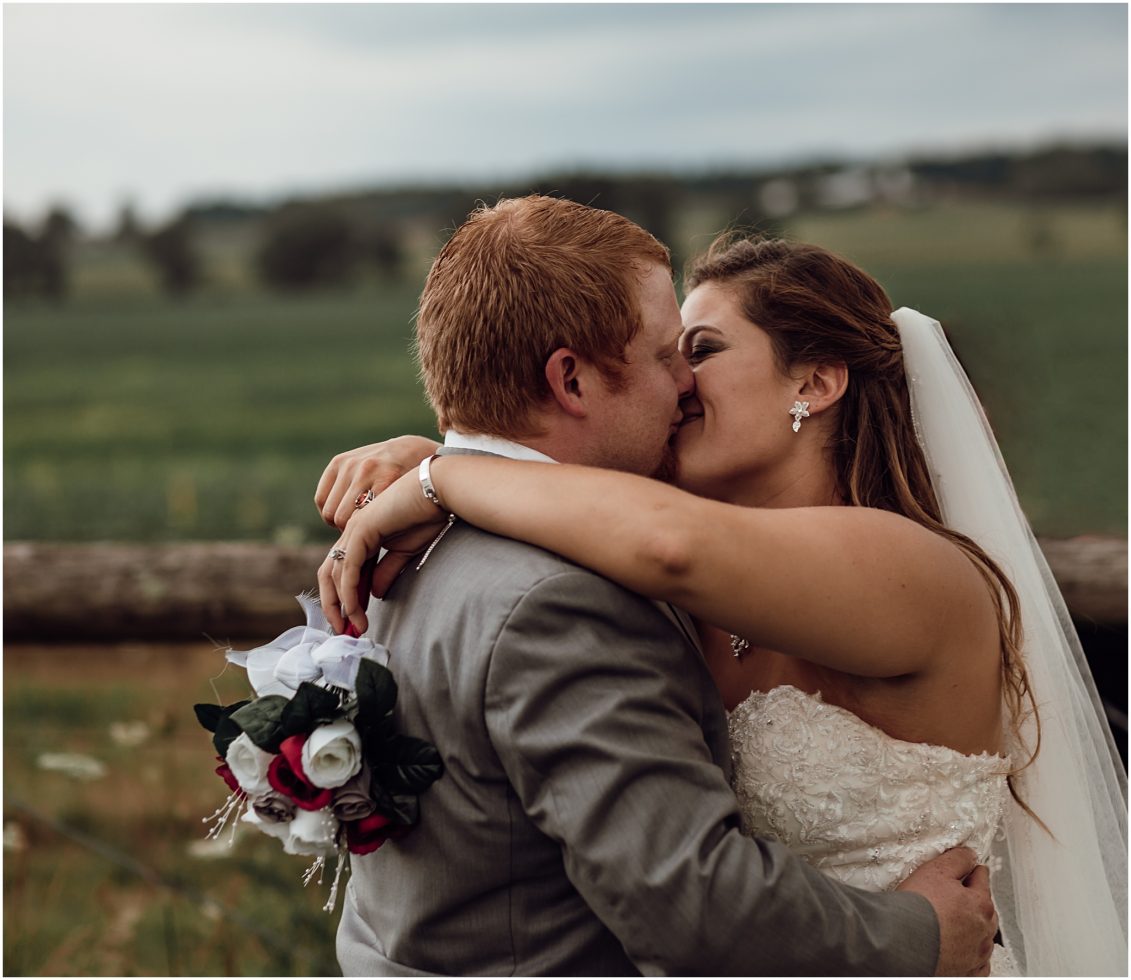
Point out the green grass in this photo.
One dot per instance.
(80, 907)
(1040, 324)
(212, 418)
(132, 417)
(1049, 364)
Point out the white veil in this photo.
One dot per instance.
(1062, 902)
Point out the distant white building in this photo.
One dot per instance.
(857, 186)
(778, 197)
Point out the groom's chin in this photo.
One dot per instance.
(665, 472)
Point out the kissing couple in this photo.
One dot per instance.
(737, 648)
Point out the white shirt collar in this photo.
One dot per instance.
(494, 444)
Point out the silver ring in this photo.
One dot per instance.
(364, 498)
(336, 554)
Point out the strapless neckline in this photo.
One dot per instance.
(758, 700)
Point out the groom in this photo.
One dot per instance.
(584, 824)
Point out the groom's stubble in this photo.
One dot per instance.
(668, 467)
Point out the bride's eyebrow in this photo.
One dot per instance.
(692, 332)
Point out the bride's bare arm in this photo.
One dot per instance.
(856, 589)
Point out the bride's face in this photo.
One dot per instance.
(736, 427)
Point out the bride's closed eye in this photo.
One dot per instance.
(702, 350)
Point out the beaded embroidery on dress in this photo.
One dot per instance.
(862, 806)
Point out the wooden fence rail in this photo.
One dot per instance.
(228, 590)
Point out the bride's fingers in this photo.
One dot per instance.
(328, 596)
(347, 504)
(348, 577)
(332, 488)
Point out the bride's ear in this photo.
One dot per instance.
(567, 376)
(823, 385)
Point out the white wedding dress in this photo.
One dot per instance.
(854, 802)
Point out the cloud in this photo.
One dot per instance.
(166, 101)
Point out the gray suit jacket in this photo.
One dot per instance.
(584, 824)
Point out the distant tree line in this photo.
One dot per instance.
(330, 241)
(308, 245)
(35, 261)
(1064, 173)
(301, 246)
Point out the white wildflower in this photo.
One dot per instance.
(71, 764)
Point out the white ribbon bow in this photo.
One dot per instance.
(307, 653)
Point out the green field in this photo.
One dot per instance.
(110, 875)
(142, 419)
(132, 417)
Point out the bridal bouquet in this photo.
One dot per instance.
(315, 758)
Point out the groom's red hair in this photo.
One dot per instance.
(513, 284)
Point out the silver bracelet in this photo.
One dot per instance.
(425, 475)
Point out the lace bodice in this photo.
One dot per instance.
(853, 801)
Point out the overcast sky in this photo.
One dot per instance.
(167, 103)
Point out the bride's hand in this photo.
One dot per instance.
(402, 521)
(349, 475)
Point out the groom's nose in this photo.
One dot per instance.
(684, 376)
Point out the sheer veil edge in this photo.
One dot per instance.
(1062, 899)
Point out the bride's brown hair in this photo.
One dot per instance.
(819, 308)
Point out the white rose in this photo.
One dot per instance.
(312, 832)
(331, 755)
(249, 763)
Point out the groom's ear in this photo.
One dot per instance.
(568, 376)
(823, 385)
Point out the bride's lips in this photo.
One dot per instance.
(682, 427)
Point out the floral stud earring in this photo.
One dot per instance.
(799, 411)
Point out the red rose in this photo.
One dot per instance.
(286, 776)
(367, 834)
(226, 774)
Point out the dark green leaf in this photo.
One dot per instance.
(408, 765)
(374, 733)
(376, 692)
(324, 705)
(208, 715)
(373, 739)
(227, 731)
(261, 721)
(406, 810)
(310, 707)
(400, 808)
(382, 797)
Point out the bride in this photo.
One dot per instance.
(900, 671)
